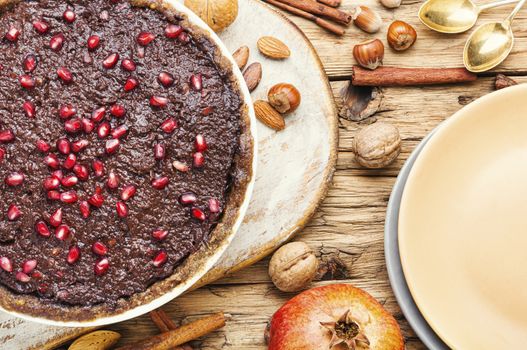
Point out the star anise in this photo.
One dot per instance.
(346, 330)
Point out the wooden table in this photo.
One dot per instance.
(350, 222)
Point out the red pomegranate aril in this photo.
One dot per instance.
(56, 42)
(160, 259)
(196, 81)
(81, 171)
(187, 198)
(110, 61)
(117, 110)
(41, 26)
(67, 111)
(29, 109)
(43, 146)
(122, 209)
(51, 183)
(84, 208)
(200, 143)
(43, 288)
(74, 253)
(13, 212)
(14, 179)
(98, 114)
(12, 34)
(165, 79)
(6, 264)
(198, 214)
(103, 130)
(29, 265)
(70, 162)
(69, 181)
(183, 37)
(158, 101)
(22, 277)
(97, 200)
(98, 168)
(93, 42)
(73, 126)
(101, 266)
(58, 174)
(130, 84)
(160, 182)
(56, 218)
(128, 65)
(6, 136)
(128, 192)
(207, 111)
(69, 16)
(159, 151)
(65, 74)
(199, 159)
(172, 31)
(53, 195)
(160, 234)
(62, 232)
(99, 248)
(87, 125)
(112, 146)
(52, 161)
(30, 63)
(69, 197)
(2, 154)
(119, 131)
(169, 125)
(79, 145)
(63, 146)
(145, 38)
(27, 81)
(113, 180)
(180, 166)
(214, 205)
(42, 229)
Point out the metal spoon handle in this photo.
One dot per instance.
(496, 4)
(514, 12)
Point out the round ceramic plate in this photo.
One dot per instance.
(462, 233)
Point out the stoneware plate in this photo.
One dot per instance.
(462, 230)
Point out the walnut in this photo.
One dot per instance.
(218, 14)
(293, 267)
(377, 145)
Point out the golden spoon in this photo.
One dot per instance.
(490, 44)
(454, 16)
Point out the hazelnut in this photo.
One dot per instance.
(285, 98)
(369, 54)
(293, 267)
(377, 145)
(401, 35)
(367, 19)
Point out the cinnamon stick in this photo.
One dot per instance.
(395, 76)
(181, 335)
(319, 9)
(165, 324)
(332, 3)
(319, 21)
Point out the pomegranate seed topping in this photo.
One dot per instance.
(29, 109)
(56, 42)
(69, 181)
(70, 162)
(13, 212)
(122, 209)
(14, 179)
(103, 130)
(29, 266)
(214, 205)
(112, 146)
(128, 65)
(2, 154)
(160, 234)
(119, 131)
(22, 277)
(159, 151)
(172, 31)
(69, 16)
(180, 166)
(73, 254)
(63, 146)
(128, 192)
(200, 143)
(145, 38)
(62, 232)
(6, 136)
(81, 171)
(131, 83)
(84, 208)
(58, 174)
(96, 200)
(98, 168)
(207, 111)
(43, 288)
(101, 266)
(30, 63)
(93, 42)
(158, 101)
(169, 125)
(160, 182)
(187, 198)
(165, 79)
(87, 125)
(43, 146)
(79, 145)
(54, 195)
(113, 180)
(196, 82)
(117, 111)
(73, 125)
(69, 197)
(26, 81)
(56, 218)
(183, 37)
(12, 35)
(99, 248)
(199, 159)
(160, 259)
(98, 114)
(52, 161)
(67, 111)
(198, 214)
(51, 183)
(5, 264)
(65, 74)
(41, 26)
(42, 229)
(110, 61)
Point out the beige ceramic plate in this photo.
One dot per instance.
(463, 225)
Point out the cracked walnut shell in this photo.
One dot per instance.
(377, 145)
(293, 267)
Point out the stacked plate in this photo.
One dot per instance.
(456, 228)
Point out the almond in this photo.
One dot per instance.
(268, 115)
(98, 340)
(253, 75)
(241, 56)
(273, 48)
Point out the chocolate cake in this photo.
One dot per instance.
(124, 142)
